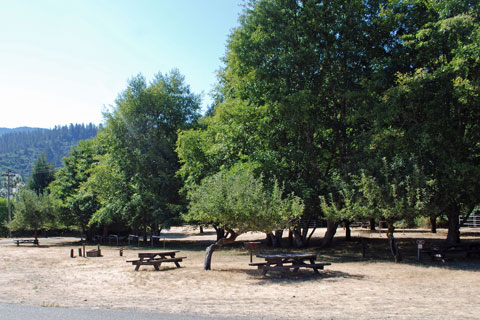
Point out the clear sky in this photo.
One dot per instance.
(65, 61)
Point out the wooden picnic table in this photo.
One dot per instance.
(156, 259)
(19, 241)
(285, 261)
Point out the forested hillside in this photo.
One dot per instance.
(20, 149)
(19, 129)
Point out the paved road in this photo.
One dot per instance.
(22, 312)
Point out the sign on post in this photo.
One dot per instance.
(420, 244)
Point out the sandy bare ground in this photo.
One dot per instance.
(351, 288)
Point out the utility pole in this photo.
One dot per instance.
(8, 175)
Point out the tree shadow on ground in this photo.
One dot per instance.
(300, 276)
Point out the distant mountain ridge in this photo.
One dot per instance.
(21, 147)
(19, 129)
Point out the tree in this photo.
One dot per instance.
(43, 173)
(3, 217)
(295, 81)
(140, 136)
(434, 106)
(239, 202)
(33, 212)
(77, 203)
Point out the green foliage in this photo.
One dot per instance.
(78, 204)
(398, 191)
(238, 201)
(33, 212)
(295, 83)
(3, 217)
(42, 174)
(140, 137)
(434, 104)
(346, 204)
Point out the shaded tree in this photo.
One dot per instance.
(433, 109)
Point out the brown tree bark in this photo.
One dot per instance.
(231, 236)
(453, 235)
(348, 231)
(393, 243)
(433, 224)
(330, 233)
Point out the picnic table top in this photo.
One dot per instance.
(288, 256)
(159, 253)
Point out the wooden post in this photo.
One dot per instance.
(79, 252)
(84, 250)
(72, 254)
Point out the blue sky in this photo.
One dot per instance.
(65, 61)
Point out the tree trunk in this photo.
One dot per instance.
(372, 224)
(453, 235)
(269, 239)
(298, 237)
(394, 248)
(220, 232)
(433, 224)
(330, 233)
(277, 239)
(105, 232)
(290, 238)
(216, 246)
(201, 229)
(393, 243)
(145, 234)
(348, 231)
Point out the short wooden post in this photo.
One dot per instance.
(79, 252)
(364, 247)
(72, 253)
(121, 252)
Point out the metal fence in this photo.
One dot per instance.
(473, 221)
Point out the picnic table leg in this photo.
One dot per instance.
(137, 267)
(156, 266)
(265, 270)
(315, 269)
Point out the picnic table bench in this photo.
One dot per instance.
(155, 259)
(284, 262)
(19, 241)
(449, 251)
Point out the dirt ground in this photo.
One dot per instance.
(353, 287)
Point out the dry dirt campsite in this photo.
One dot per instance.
(352, 287)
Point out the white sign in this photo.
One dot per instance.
(420, 243)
